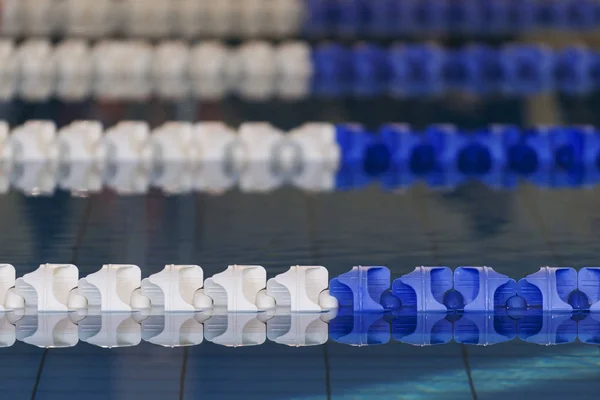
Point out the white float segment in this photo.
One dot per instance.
(170, 66)
(236, 288)
(189, 18)
(55, 330)
(298, 329)
(235, 330)
(214, 141)
(34, 141)
(74, 69)
(252, 69)
(317, 142)
(148, 18)
(9, 68)
(40, 17)
(299, 288)
(123, 69)
(173, 142)
(7, 281)
(79, 177)
(36, 178)
(111, 288)
(253, 17)
(128, 178)
(221, 21)
(173, 330)
(260, 177)
(12, 17)
(260, 141)
(8, 332)
(89, 18)
(173, 288)
(208, 62)
(81, 142)
(37, 67)
(110, 330)
(47, 289)
(294, 68)
(128, 142)
(285, 17)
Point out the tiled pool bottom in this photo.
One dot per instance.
(513, 231)
(272, 371)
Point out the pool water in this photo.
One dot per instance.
(513, 230)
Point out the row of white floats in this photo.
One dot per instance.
(177, 288)
(177, 157)
(152, 18)
(74, 69)
(135, 141)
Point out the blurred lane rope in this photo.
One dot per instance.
(74, 70)
(182, 157)
(243, 19)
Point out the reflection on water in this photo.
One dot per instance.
(112, 330)
(43, 179)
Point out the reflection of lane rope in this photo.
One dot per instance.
(136, 70)
(112, 330)
(287, 18)
(180, 157)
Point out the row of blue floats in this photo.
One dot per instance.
(389, 18)
(368, 69)
(474, 305)
(444, 155)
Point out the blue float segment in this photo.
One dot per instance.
(551, 14)
(397, 138)
(478, 155)
(385, 18)
(332, 70)
(521, 15)
(415, 155)
(495, 16)
(359, 329)
(591, 155)
(473, 68)
(370, 70)
(425, 16)
(588, 329)
(347, 17)
(484, 329)
(547, 329)
(588, 281)
(567, 147)
(483, 289)
(573, 70)
(549, 288)
(351, 176)
(317, 16)
(422, 329)
(462, 17)
(573, 148)
(529, 153)
(361, 289)
(416, 70)
(527, 69)
(353, 141)
(423, 289)
(581, 15)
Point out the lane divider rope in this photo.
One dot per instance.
(239, 306)
(181, 157)
(74, 70)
